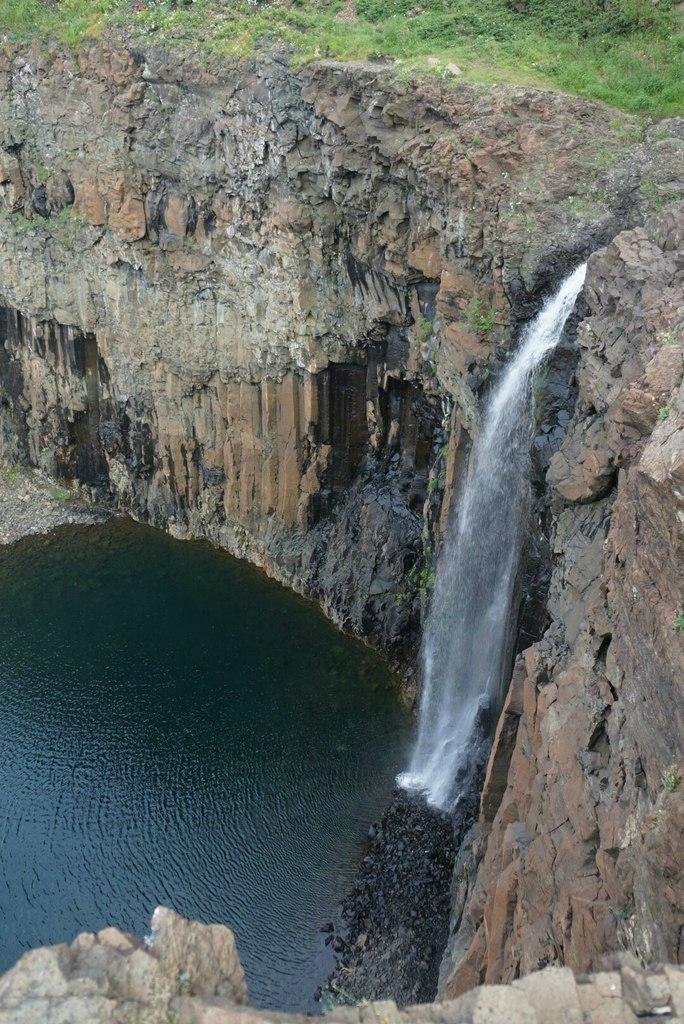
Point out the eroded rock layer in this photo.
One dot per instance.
(243, 463)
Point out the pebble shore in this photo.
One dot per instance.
(31, 503)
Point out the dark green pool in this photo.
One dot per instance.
(176, 729)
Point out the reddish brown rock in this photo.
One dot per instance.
(502, 748)
(90, 203)
(128, 219)
(426, 257)
(176, 215)
(585, 470)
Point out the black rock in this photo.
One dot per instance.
(397, 913)
(39, 201)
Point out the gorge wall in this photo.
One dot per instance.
(254, 306)
(261, 306)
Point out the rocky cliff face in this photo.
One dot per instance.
(261, 307)
(255, 306)
(577, 846)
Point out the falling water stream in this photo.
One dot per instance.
(465, 645)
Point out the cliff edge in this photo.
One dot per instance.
(190, 973)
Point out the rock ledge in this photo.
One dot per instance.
(185, 972)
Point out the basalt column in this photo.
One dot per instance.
(321, 478)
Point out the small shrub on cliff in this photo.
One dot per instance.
(479, 318)
(425, 329)
(421, 577)
(671, 779)
(425, 579)
(61, 494)
(657, 195)
(10, 473)
(20, 224)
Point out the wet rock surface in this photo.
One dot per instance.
(395, 918)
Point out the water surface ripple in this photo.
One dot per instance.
(176, 729)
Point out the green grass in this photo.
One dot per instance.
(657, 196)
(70, 21)
(11, 473)
(61, 494)
(479, 318)
(671, 779)
(627, 53)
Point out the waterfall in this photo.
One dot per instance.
(465, 644)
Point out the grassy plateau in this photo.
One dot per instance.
(627, 53)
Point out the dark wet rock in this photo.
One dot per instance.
(396, 915)
(39, 201)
